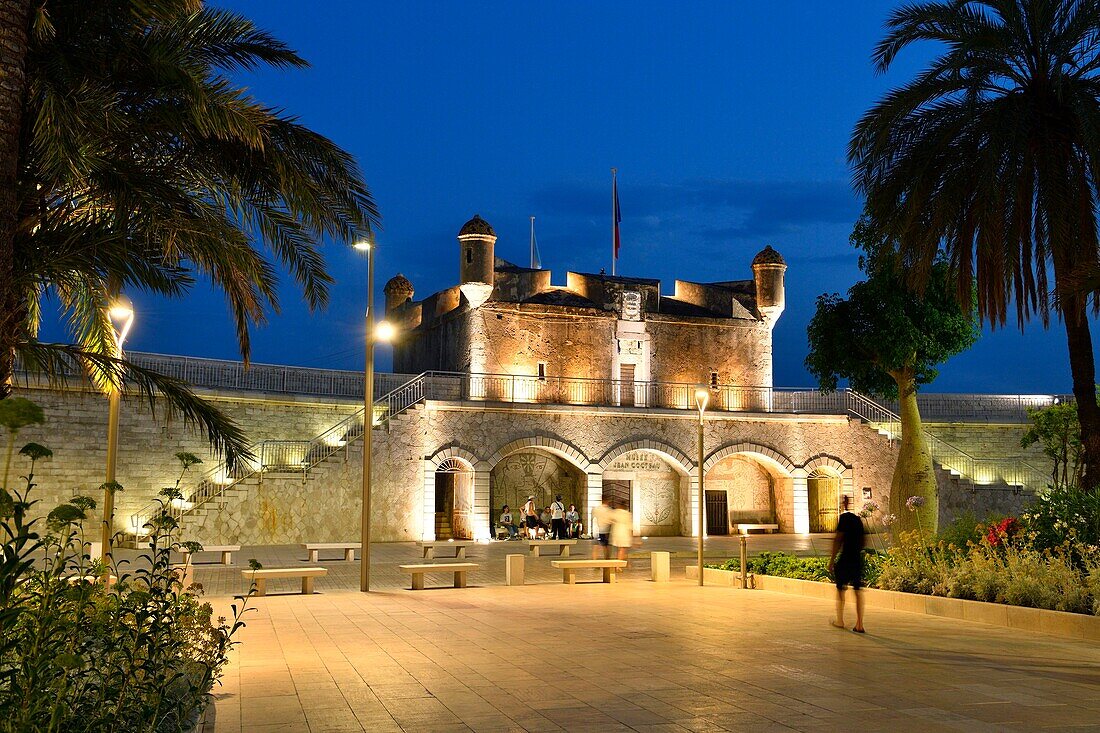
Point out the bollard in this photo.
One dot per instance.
(659, 567)
(744, 562)
(513, 570)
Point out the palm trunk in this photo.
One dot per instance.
(1082, 366)
(914, 474)
(14, 37)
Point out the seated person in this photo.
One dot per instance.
(572, 522)
(508, 523)
(544, 522)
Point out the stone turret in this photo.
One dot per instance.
(477, 260)
(767, 271)
(398, 292)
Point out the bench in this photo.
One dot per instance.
(562, 545)
(226, 551)
(430, 547)
(306, 574)
(314, 548)
(746, 528)
(459, 569)
(569, 568)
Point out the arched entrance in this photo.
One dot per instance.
(534, 472)
(823, 494)
(654, 490)
(740, 489)
(454, 500)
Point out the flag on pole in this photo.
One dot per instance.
(536, 260)
(617, 217)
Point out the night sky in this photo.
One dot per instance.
(728, 123)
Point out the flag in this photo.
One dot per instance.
(618, 216)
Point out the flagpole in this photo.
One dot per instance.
(614, 171)
(532, 242)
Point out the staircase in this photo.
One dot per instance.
(224, 484)
(958, 463)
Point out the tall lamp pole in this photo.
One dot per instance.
(701, 399)
(121, 314)
(374, 333)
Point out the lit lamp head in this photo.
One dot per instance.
(364, 245)
(702, 397)
(121, 313)
(384, 332)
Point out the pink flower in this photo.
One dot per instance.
(889, 519)
(913, 503)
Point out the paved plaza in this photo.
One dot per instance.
(634, 656)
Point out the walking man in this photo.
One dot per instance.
(557, 518)
(848, 567)
(601, 530)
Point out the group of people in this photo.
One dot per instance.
(553, 522)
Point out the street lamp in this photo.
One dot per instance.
(121, 315)
(701, 399)
(374, 333)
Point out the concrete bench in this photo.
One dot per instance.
(746, 528)
(226, 551)
(429, 548)
(306, 574)
(569, 568)
(458, 569)
(562, 545)
(314, 548)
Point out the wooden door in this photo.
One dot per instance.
(718, 515)
(617, 490)
(626, 385)
(824, 502)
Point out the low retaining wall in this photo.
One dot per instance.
(1055, 623)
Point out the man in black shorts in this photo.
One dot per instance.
(848, 567)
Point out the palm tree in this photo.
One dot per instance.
(992, 153)
(129, 159)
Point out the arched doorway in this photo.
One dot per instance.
(538, 473)
(740, 489)
(823, 494)
(454, 500)
(653, 488)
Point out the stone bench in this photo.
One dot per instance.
(306, 574)
(569, 568)
(562, 545)
(314, 549)
(458, 569)
(226, 551)
(429, 548)
(746, 528)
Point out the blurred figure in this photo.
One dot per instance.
(601, 530)
(557, 518)
(530, 518)
(573, 523)
(544, 522)
(622, 529)
(507, 522)
(847, 568)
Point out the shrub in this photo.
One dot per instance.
(1064, 514)
(963, 530)
(786, 565)
(77, 654)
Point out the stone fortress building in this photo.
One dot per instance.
(507, 386)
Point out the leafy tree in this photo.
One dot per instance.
(886, 341)
(129, 159)
(1057, 430)
(992, 153)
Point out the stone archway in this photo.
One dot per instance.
(540, 467)
(473, 496)
(658, 483)
(827, 480)
(750, 484)
(454, 500)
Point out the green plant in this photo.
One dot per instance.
(963, 530)
(1064, 514)
(1058, 430)
(81, 654)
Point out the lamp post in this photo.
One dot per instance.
(381, 332)
(701, 399)
(121, 314)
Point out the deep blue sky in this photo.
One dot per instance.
(728, 123)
